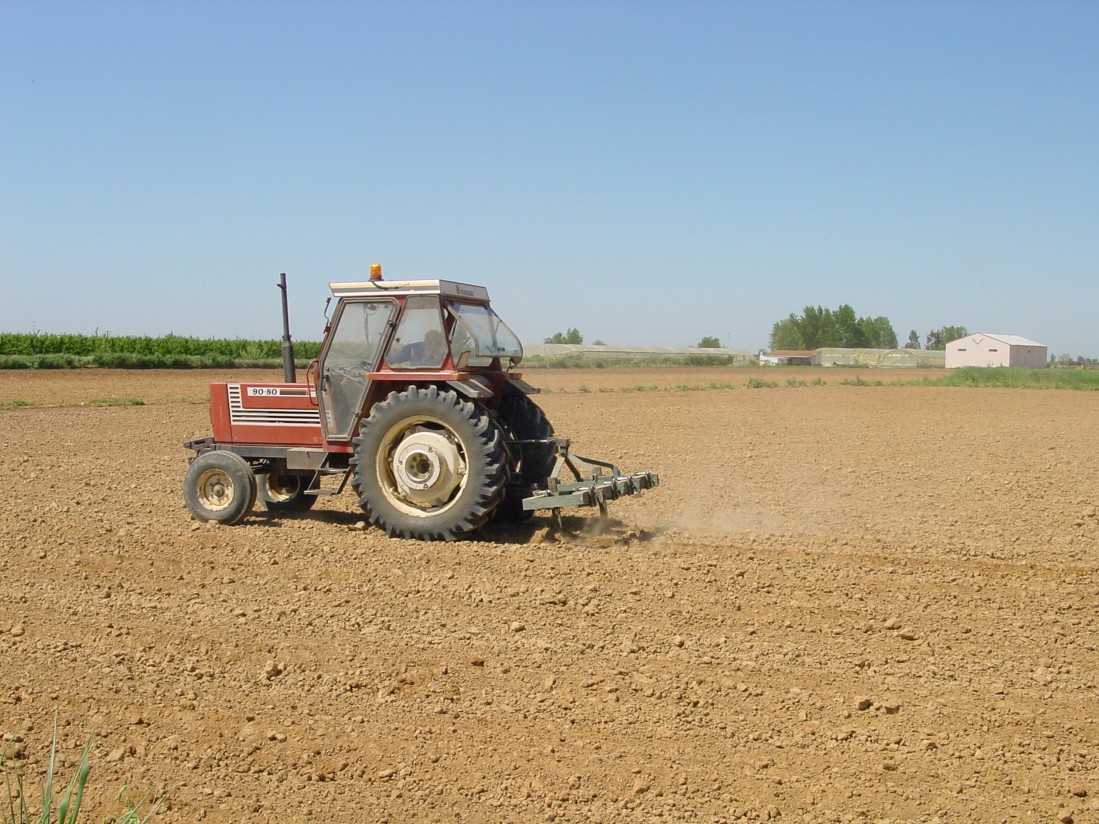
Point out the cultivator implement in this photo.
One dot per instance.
(593, 483)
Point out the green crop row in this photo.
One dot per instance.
(1021, 378)
(168, 346)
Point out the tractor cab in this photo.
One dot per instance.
(386, 333)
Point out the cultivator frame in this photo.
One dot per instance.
(594, 483)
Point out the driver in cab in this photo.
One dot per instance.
(428, 353)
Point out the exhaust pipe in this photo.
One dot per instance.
(289, 374)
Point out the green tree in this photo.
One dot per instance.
(939, 338)
(913, 340)
(818, 327)
(879, 332)
(709, 342)
(849, 332)
(571, 336)
(786, 334)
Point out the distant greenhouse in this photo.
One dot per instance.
(884, 358)
(557, 351)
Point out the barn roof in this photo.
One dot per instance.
(1011, 340)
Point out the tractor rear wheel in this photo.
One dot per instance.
(533, 453)
(286, 492)
(429, 464)
(219, 486)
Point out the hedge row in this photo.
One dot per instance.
(122, 360)
(168, 346)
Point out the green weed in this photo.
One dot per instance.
(63, 808)
(116, 401)
(759, 383)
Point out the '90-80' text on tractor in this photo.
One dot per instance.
(413, 399)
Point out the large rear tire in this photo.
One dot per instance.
(429, 465)
(531, 450)
(219, 486)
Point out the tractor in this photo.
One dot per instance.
(413, 398)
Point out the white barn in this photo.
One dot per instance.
(983, 349)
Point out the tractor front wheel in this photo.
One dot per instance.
(219, 486)
(429, 464)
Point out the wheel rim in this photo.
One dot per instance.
(215, 490)
(422, 467)
(282, 487)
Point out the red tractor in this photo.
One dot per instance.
(413, 399)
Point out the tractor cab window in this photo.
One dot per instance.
(354, 345)
(419, 342)
(480, 335)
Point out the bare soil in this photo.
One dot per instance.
(843, 603)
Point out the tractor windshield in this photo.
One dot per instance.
(481, 335)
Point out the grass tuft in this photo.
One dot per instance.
(63, 808)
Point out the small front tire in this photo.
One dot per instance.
(219, 486)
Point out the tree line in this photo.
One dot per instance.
(822, 328)
(818, 328)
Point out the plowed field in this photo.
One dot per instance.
(842, 603)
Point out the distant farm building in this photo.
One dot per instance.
(983, 349)
(884, 358)
(790, 357)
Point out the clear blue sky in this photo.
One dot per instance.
(648, 172)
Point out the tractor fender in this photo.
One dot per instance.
(475, 388)
(518, 386)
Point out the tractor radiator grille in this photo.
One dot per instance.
(268, 416)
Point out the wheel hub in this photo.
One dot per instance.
(215, 490)
(282, 487)
(427, 468)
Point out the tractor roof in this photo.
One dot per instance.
(447, 288)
